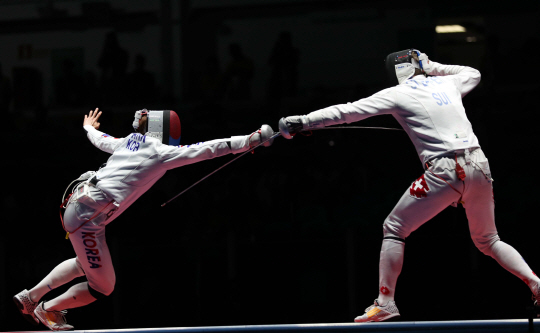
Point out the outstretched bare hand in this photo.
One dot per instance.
(92, 118)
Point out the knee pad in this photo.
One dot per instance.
(103, 287)
(393, 230)
(402, 240)
(485, 248)
(485, 245)
(96, 294)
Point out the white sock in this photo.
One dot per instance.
(75, 297)
(61, 274)
(511, 260)
(390, 264)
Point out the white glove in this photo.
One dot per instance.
(291, 125)
(86, 175)
(425, 64)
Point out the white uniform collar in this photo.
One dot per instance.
(419, 76)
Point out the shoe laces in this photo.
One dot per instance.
(376, 303)
(60, 317)
(536, 297)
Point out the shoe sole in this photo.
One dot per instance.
(388, 319)
(27, 317)
(394, 318)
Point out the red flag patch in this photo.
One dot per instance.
(419, 188)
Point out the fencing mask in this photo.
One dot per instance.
(163, 125)
(401, 65)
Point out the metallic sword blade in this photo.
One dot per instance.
(221, 167)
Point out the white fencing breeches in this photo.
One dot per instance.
(92, 252)
(433, 192)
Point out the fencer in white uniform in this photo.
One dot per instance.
(427, 101)
(136, 163)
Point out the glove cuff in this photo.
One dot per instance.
(312, 121)
(427, 65)
(239, 144)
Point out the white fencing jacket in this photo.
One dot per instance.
(138, 162)
(429, 109)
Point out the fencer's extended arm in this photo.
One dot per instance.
(466, 78)
(101, 140)
(177, 156)
(382, 102)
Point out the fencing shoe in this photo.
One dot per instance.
(536, 299)
(378, 312)
(55, 320)
(26, 306)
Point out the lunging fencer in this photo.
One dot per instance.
(136, 163)
(426, 99)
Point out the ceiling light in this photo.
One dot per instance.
(446, 29)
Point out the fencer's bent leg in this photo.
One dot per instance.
(93, 255)
(64, 272)
(426, 197)
(480, 208)
(60, 275)
(76, 296)
(479, 205)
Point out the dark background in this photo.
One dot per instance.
(292, 233)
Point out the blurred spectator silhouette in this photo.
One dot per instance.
(6, 92)
(142, 83)
(238, 75)
(113, 63)
(283, 62)
(69, 88)
(91, 88)
(530, 46)
(210, 83)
